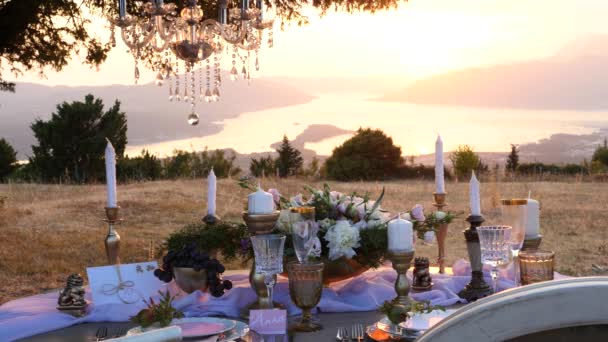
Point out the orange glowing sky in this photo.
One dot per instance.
(421, 38)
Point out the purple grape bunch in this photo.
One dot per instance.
(191, 257)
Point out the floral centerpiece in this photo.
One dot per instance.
(352, 228)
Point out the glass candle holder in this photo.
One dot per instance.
(536, 266)
(514, 215)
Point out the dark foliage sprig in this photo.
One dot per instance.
(397, 313)
(162, 313)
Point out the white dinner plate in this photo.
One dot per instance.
(194, 327)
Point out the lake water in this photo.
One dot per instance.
(413, 127)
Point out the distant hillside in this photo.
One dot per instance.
(151, 117)
(575, 79)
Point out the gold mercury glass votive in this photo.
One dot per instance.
(305, 288)
(536, 266)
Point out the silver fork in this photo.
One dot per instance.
(342, 335)
(357, 333)
(102, 333)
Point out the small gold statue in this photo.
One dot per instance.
(71, 298)
(422, 276)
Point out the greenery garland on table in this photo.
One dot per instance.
(353, 212)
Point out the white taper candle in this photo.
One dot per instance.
(211, 192)
(110, 156)
(439, 176)
(474, 196)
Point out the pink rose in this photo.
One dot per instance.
(418, 213)
(276, 196)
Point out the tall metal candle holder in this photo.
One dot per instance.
(259, 224)
(401, 263)
(477, 287)
(442, 234)
(112, 240)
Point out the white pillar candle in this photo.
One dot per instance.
(260, 202)
(533, 218)
(439, 177)
(110, 155)
(474, 197)
(211, 192)
(400, 235)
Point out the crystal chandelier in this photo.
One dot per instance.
(166, 41)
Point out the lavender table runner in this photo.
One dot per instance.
(38, 314)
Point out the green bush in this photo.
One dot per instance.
(464, 161)
(368, 155)
(141, 168)
(8, 159)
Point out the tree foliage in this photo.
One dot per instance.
(192, 164)
(513, 159)
(36, 34)
(601, 154)
(262, 167)
(8, 159)
(290, 159)
(464, 161)
(368, 155)
(71, 144)
(145, 167)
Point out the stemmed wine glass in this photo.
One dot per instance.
(268, 251)
(514, 215)
(495, 244)
(303, 231)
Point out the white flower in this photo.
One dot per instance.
(297, 200)
(429, 237)
(325, 224)
(377, 215)
(361, 224)
(407, 217)
(440, 215)
(276, 196)
(342, 238)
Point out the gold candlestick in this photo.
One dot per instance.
(442, 234)
(401, 263)
(112, 241)
(259, 224)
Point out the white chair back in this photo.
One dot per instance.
(527, 310)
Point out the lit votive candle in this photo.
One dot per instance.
(400, 235)
(260, 202)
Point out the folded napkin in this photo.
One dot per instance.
(168, 334)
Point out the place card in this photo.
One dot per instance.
(268, 322)
(123, 284)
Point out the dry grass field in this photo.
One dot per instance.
(50, 231)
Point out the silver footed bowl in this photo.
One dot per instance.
(189, 280)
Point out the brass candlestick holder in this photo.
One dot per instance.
(112, 241)
(477, 287)
(259, 224)
(442, 234)
(532, 243)
(401, 263)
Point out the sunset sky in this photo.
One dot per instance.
(421, 38)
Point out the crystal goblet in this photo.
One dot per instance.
(495, 245)
(304, 230)
(305, 288)
(514, 215)
(268, 252)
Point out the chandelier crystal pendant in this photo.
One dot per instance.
(162, 39)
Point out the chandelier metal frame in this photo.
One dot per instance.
(163, 39)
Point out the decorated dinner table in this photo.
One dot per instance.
(324, 265)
